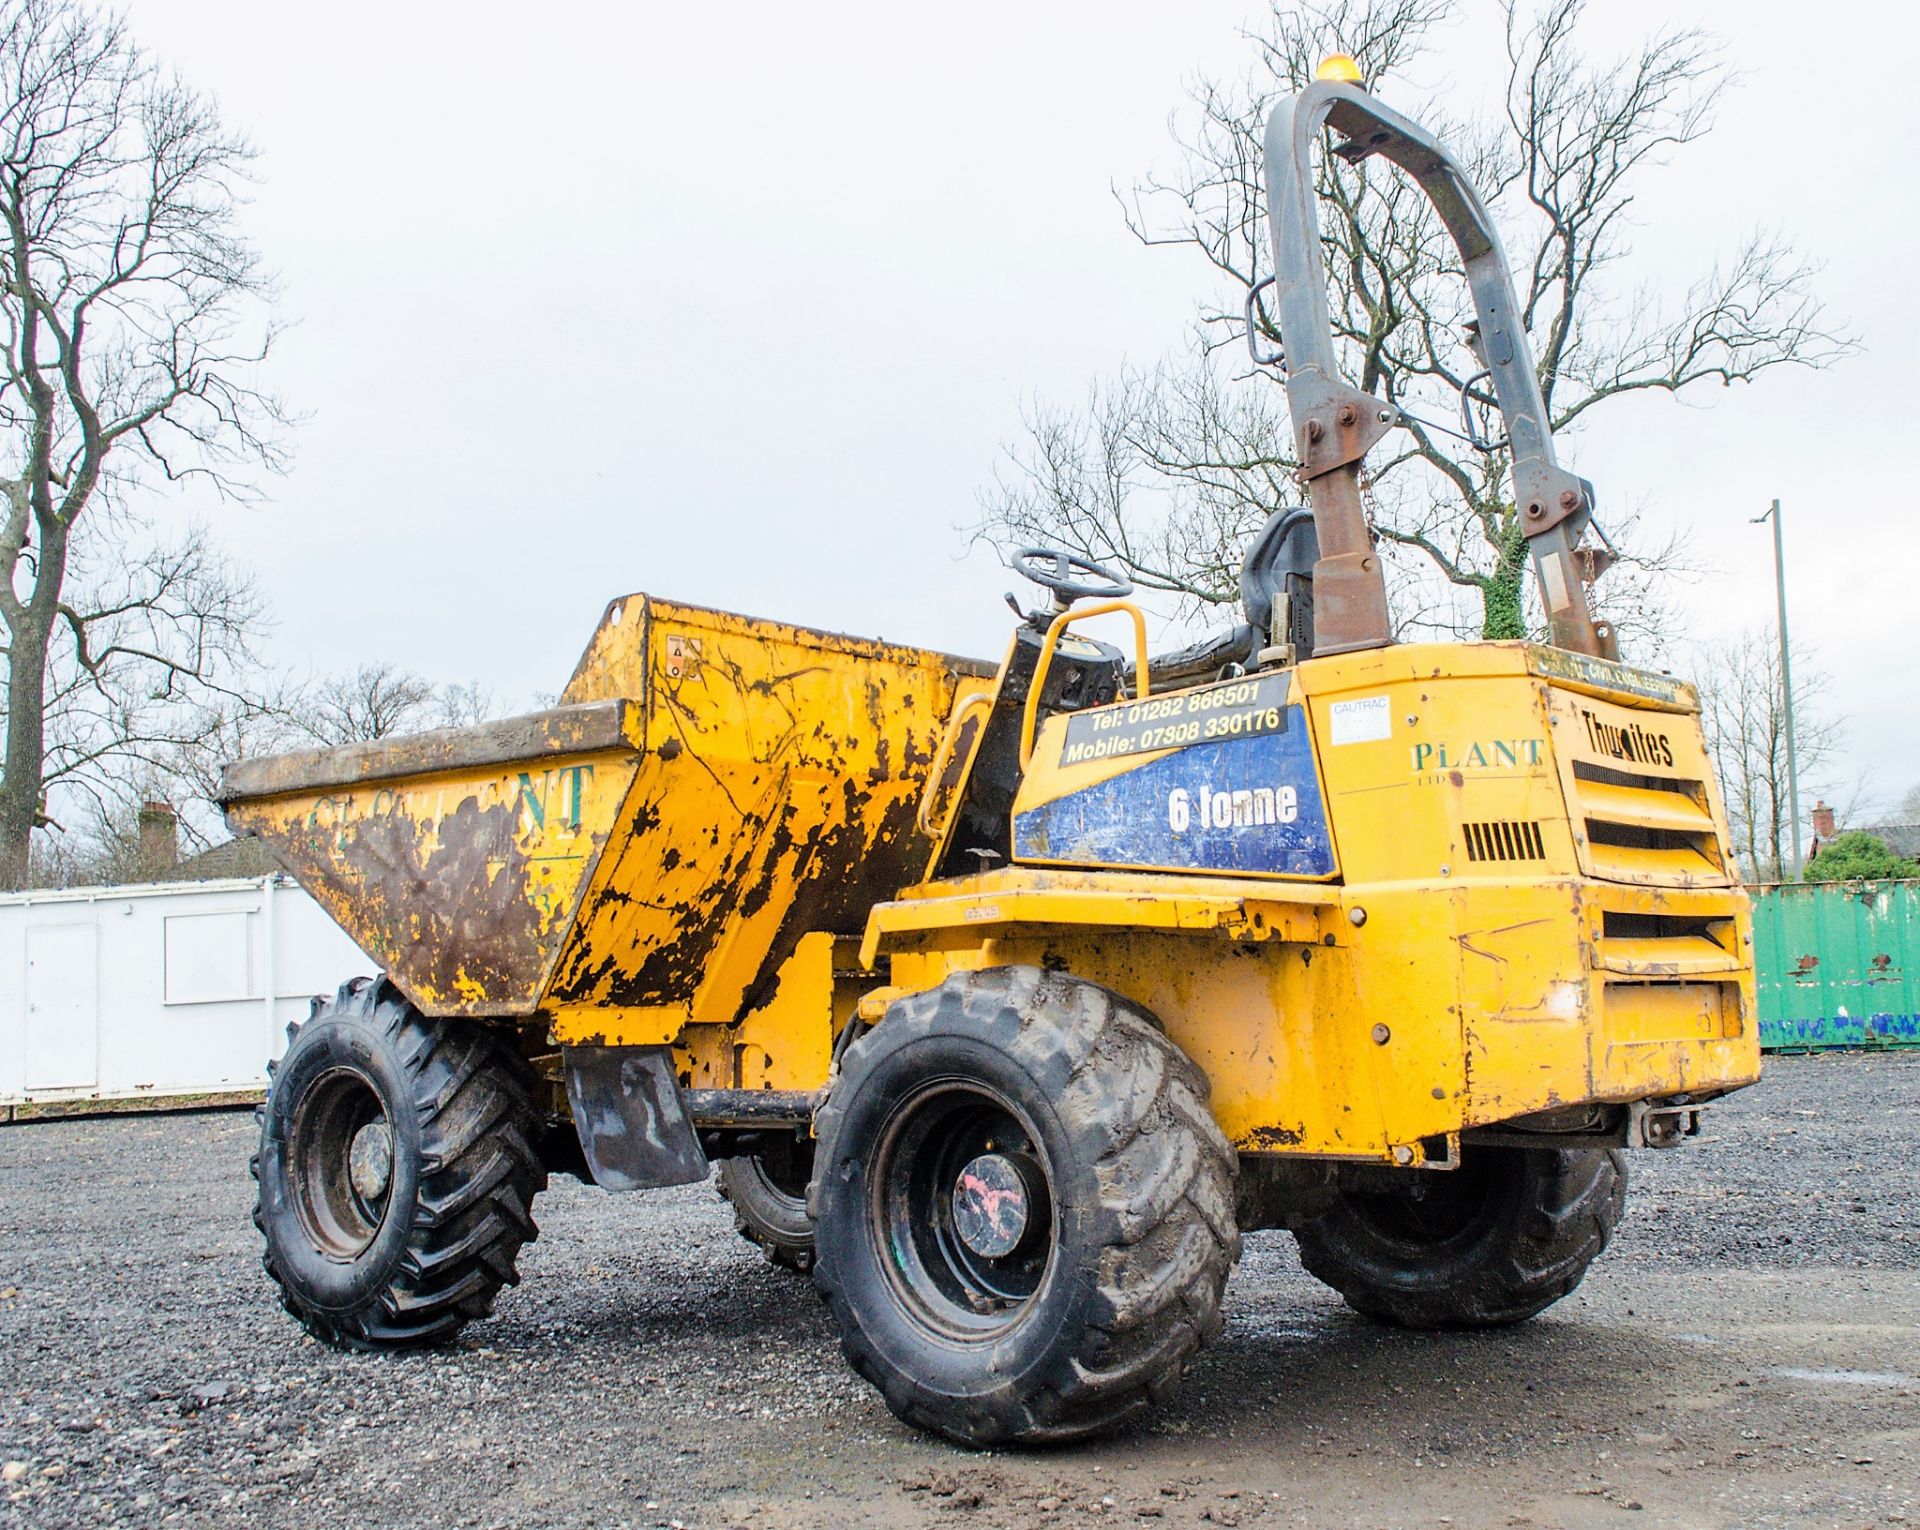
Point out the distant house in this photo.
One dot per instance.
(248, 858)
(159, 858)
(1903, 839)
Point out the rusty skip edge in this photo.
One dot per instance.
(584, 728)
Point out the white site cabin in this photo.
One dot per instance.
(165, 991)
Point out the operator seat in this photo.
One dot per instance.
(1275, 575)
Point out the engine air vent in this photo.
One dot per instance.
(1504, 839)
(1645, 828)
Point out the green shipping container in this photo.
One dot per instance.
(1836, 964)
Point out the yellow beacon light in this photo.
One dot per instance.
(1338, 66)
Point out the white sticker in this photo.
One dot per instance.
(1362, 721)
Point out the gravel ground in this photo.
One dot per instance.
(1745, 1355)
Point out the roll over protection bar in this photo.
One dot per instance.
(1335, 425)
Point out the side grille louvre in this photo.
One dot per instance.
(1644, 828)
(1665, 946)
(1504, 839)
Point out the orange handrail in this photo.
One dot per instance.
(1059, 625)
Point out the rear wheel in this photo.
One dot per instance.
(1024, 1208)
(396, 1170)
(1504, 1236)
(768, 1192)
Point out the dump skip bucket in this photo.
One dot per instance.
(711, 788)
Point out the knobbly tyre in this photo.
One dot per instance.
(1008, 997)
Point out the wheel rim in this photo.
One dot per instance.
(786, 1183)
(1437, 1211)
(961, 1206)
(340, 1163)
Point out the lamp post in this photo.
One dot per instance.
(1786, 685)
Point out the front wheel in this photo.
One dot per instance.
(396, 1170)
(1024, 1208)
(1500, 1238)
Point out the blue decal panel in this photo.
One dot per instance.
(1248, 804)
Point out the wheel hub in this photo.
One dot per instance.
(991, 1205)
(370, 1162)
(962, 1199)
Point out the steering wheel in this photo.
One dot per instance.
(1052, 569)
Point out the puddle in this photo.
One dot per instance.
(1844, 1378)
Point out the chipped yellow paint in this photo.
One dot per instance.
(758, 798)
(777, 798)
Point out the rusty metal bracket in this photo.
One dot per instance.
(1334, 424)
(1661, 1123)
(1548, 495)
(1638, 1124)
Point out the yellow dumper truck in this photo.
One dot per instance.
(1008, 996)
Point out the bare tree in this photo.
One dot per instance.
(255, 721)
(155, 656)
(1743, 710)
(375, 701)
(463, 706)
(132, 323)
(110, 846)
(1169, 470)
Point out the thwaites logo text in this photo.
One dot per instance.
(1632, 743)
(1246, 809)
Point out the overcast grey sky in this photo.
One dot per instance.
(735, 303)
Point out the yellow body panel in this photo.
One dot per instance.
(780, 1045)
(783, 769)
(1498, 945)
(1498, 1001)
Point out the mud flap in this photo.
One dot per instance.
(632, 1122)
